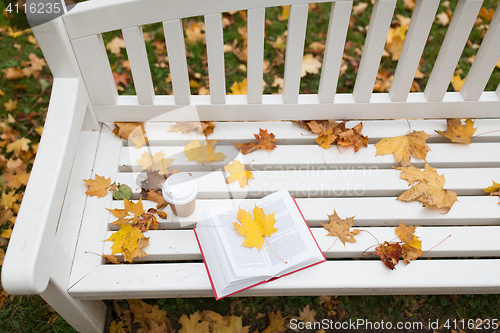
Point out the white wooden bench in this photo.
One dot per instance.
(59, 229)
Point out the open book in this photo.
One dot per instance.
(232, 267)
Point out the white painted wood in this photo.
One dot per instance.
(57, 51)
(330, 183)
(115, 14)
(255, 47)
(380, 21)
(184, 246)
(421, 21)
(215, 55)
(176, 50)
(484, 63)
(334, 50)
(458, 32)
(94, 223)
(295, 39)
(311, 156)
(191, 280)
(377, 211)
(290, 133)
(139, 64)
(272, 108)
(26, 266)
(95, 69)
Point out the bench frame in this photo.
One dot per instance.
(46, 254)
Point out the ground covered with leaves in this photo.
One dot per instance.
(25, 85)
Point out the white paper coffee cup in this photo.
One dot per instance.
(180, 191)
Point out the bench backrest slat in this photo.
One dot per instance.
(96, 72)
(461, 24)
(139, 64)
(484, 63)
(215, 55)
(422, 18)
(334, 50)
(372, 52)
(255, 54)
(174, 38)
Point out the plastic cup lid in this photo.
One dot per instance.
(180, 189)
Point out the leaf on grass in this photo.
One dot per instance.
(404, 146)
(276, 323)
(238, 173)
(310, 65)
(412, 247)
(13, 73)
(232, 324)
(10, 105)
(158, 162)
(98, 187)
(456, 81)
(389, 254)
(203, 154)
(130, 241)
(458, 132)
(193, 324)
(340, 228)
(265, 141)
(18, 146)
(15, 178)
(256, 228)
(116, 45)
(429, 188)
(131, 131)
(205, 127)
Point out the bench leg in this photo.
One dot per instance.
(84, 316)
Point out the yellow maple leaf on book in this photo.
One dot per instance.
(256, 228)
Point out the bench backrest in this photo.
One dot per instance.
(86, 23)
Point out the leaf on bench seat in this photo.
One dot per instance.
(429, 188)
(458, 132)
(404, 146)
(412, 247)
(130, 241)
(389, 254)
(131, 131)
(158, 162)
(203, 154)
(265, 141)
(493, 190)
(98, 187)
(238, 173)
(205, 127)
(340, 228)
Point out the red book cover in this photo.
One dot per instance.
(265, 281)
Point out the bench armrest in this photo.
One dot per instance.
(28, 259)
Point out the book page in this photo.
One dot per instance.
(246, 262)
(293, 241)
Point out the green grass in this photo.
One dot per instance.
(31, 314)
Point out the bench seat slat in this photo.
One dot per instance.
(182, 245)
(289, 133)
(295, 157)
(386, 211)
(337, 277)
(324, 183)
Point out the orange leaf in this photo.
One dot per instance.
(265, 141)
(458, 132)
(389, 253)
(340, 228)
(98, 187)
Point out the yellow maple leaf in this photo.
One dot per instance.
(412, 247)
(395, 41)
(457, 82)
(404, 146)
(256, 228)
(239, 88)
(6, 233)
(494, 188)
(10, 105)
(458, 132)
(131, 212)
(310, 65)
(193, 324)
(238, 173)
(232, 324)
(194, 33)
(98, 187)
(158, 162)
(340, 228)
(18, 146)
(14, 178)
(429, 188)
(276, 322)
(203, 154)
(130, 241)
(8, 200)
